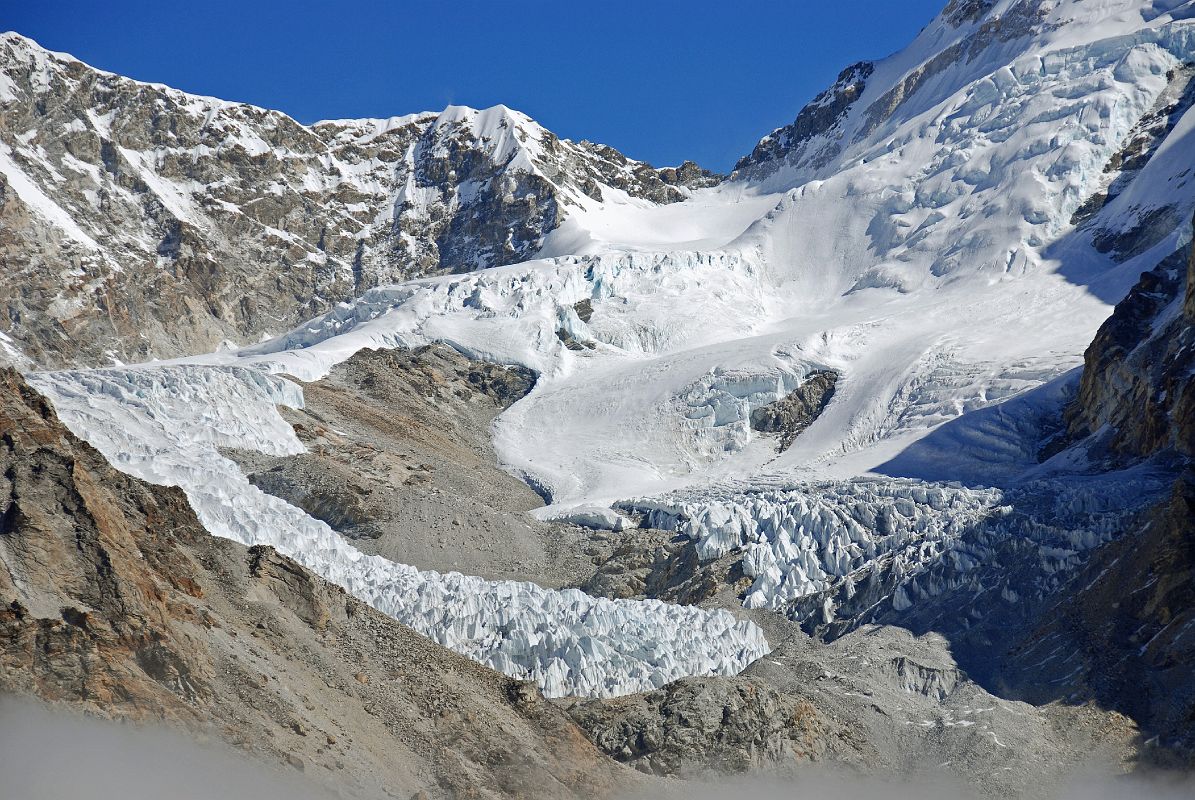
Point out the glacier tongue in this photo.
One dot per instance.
(820, 540)
(166, 424)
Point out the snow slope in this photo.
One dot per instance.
(925, 245)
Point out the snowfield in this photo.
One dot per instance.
(933, 260)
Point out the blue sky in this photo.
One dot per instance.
(661, 80)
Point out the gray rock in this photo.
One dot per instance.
(791, 415)
(701, 725)
(810, 139)
(1137, 381)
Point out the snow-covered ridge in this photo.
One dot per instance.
(166, 425)
(967, 43)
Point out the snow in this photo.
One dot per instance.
(599, 518)
(932, 263)
(710, 219)
(175, 198)
(42, 205)
(11, 353)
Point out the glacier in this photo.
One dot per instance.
(166, 425)
(933, 261)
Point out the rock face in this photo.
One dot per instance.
(811, 140)
(74, 625)
(695, 726)
(1127, 620)
(137, 221)
(114, 600)
(791, 415)
(1137, 390)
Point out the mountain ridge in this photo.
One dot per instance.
(230, 221)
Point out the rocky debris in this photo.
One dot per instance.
(436, 373)
(698, 726)
(114, 600)
(400, 459)
(137, 221)
(792, 414)
(645, 563)
(890, 702)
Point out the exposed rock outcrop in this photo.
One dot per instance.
(791, 415)
(810, 139)
(645, 563)
(696, 726)
(1137, 388)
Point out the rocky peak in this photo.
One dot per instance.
(961, 12)
(814, 137)
(138, 221)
